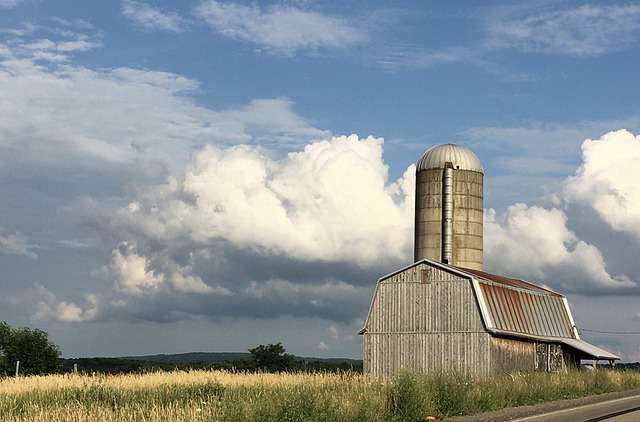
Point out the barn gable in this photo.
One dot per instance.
(433, 317)
(424, 316)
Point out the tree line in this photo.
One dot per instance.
(265, 358)
(26, 351)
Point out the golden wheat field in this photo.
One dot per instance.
(228, 396)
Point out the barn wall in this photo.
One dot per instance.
(510, 355)
(554, 357)
(427, 320)
(386, 354)
(513, 355)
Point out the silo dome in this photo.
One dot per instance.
(461, 157)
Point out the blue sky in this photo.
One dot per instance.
(214, 175)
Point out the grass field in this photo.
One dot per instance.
(226, 396)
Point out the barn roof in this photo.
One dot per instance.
(517, 308)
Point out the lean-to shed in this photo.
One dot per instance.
(432, 317)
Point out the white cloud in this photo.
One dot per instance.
(281, 29)
(49, 307)
(138, 275)
(534, 242)
(133, 272)
(157, 121)
(330, 202)
(16, 244)
(607, 181)
(588, 30)
(183, 280)
(149, 17)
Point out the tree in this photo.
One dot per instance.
(272, 358)
(32, 348)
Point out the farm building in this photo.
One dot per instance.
(443, 313)
(433, 317)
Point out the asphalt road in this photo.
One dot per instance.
(612, 407)
(625, 409)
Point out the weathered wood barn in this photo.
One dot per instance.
(432, 317)
(443, 313)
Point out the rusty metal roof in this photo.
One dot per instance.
(517, 307)
(514, 282)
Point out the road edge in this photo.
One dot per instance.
(511, 413)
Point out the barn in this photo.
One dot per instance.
(443, 313)
(432, 317)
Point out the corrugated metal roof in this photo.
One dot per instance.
(461, 157)
(517, 306)
(527, 312)
(514, 282)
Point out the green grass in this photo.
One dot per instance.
(222, 396)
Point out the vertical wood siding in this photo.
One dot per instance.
(427, 320)
(509, 355)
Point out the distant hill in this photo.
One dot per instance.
(196, 360)
(193, 357)
(212, 357)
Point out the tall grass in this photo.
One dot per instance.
(226, 396)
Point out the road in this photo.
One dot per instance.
(610, 407)
(625, 409)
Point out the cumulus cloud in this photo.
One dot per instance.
(329, 202)
(607, 180)
(137, 275)
(588, 30)
(232, 233)
(49, 307)
(279, 28)
(16, 244)
(149, 17)
(537, 242)
(132, 271)
(534, 242)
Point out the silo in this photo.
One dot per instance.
(448, 216)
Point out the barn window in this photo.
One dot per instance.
(425, 275)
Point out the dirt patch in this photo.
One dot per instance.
(512, 413)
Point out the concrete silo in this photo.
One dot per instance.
(448, 216)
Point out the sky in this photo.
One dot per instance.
(214, 175)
